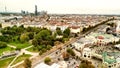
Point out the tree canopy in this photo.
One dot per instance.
(44, 37)
(27, 63)
(3, 44)
(47, 60)
(86, 64)
(58, 31)
(0, 25)
(24, 38)
(71, 52)
(66, 32)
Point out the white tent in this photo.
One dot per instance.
(43, 65)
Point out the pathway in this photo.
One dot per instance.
(9, 66)
(11, 46)
(21, 52)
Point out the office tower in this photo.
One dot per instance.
(36, 13)
(5, 9)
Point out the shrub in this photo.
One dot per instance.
(27, 63)
(18, 49)
(40, 53)
(47, 60)
(71, 52)
(3, 45)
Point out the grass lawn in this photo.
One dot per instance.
(4, 63)
(6, 49)
(19, 45)
(22, 57)
(32, 49)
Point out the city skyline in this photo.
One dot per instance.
(62, 7)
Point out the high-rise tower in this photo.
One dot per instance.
(5, 9)
(36, 13)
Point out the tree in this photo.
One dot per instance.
(107, 29)
(111, 24)
(0, 25)
(47, 60)
(66, 33)
(54, 35)
(5, 31)
(5, 38)
(21, 26)
(84, 29)
(35, 42)
(20, 29)
(65, 56)
(58, 28)
(86, 64)
(31, 35)
(13, 30)
(27, 63)
(40, 53)
(36, 30)
(43, 34)
(58, 31)
(29, 29)
(44, 37)
(44, 50)
(71, 52)
(24, 38)
(18, 48)
(49, 47)
(3, 44)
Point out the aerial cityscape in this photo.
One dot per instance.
(59, 36)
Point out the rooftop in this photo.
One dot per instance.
(111, 57)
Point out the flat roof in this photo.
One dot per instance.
(111, 57)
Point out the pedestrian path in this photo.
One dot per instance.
(21, 52)
(11, 46)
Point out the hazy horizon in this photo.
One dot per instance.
(63, 6)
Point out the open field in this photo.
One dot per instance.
(6, 49)
(4, 63)
(22, 57)
(19, 45)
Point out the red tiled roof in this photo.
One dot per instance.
(74, 27)
(100, 37)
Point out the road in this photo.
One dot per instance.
(51, 52)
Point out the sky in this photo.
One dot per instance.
(63, 6)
